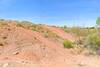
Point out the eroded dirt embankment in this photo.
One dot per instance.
(20, 47)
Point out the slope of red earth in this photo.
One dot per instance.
(21, 47)
(62, 33)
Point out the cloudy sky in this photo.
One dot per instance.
(53, 12)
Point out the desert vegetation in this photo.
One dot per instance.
(67, 44)
(88, 37)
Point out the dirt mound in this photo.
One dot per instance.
(21, 47)
(21, 43)
(17, 38)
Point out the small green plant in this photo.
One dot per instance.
(67, 44)
(46, 34)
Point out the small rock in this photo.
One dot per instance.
(15, 53)
(5, 65)
(81, 64)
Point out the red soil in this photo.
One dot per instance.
(26, 48)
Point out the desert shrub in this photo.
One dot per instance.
(2, 24)
(46, 34)
(24, 24)
(79, 31)
(92, 42)
(67, 44)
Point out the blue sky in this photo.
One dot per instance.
(52, 12)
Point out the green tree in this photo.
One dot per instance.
(98, 21)
(1, 19)
(65, 27)
(98, 24)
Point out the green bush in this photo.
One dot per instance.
(46, 34)
(67, 44)
(92, 42)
